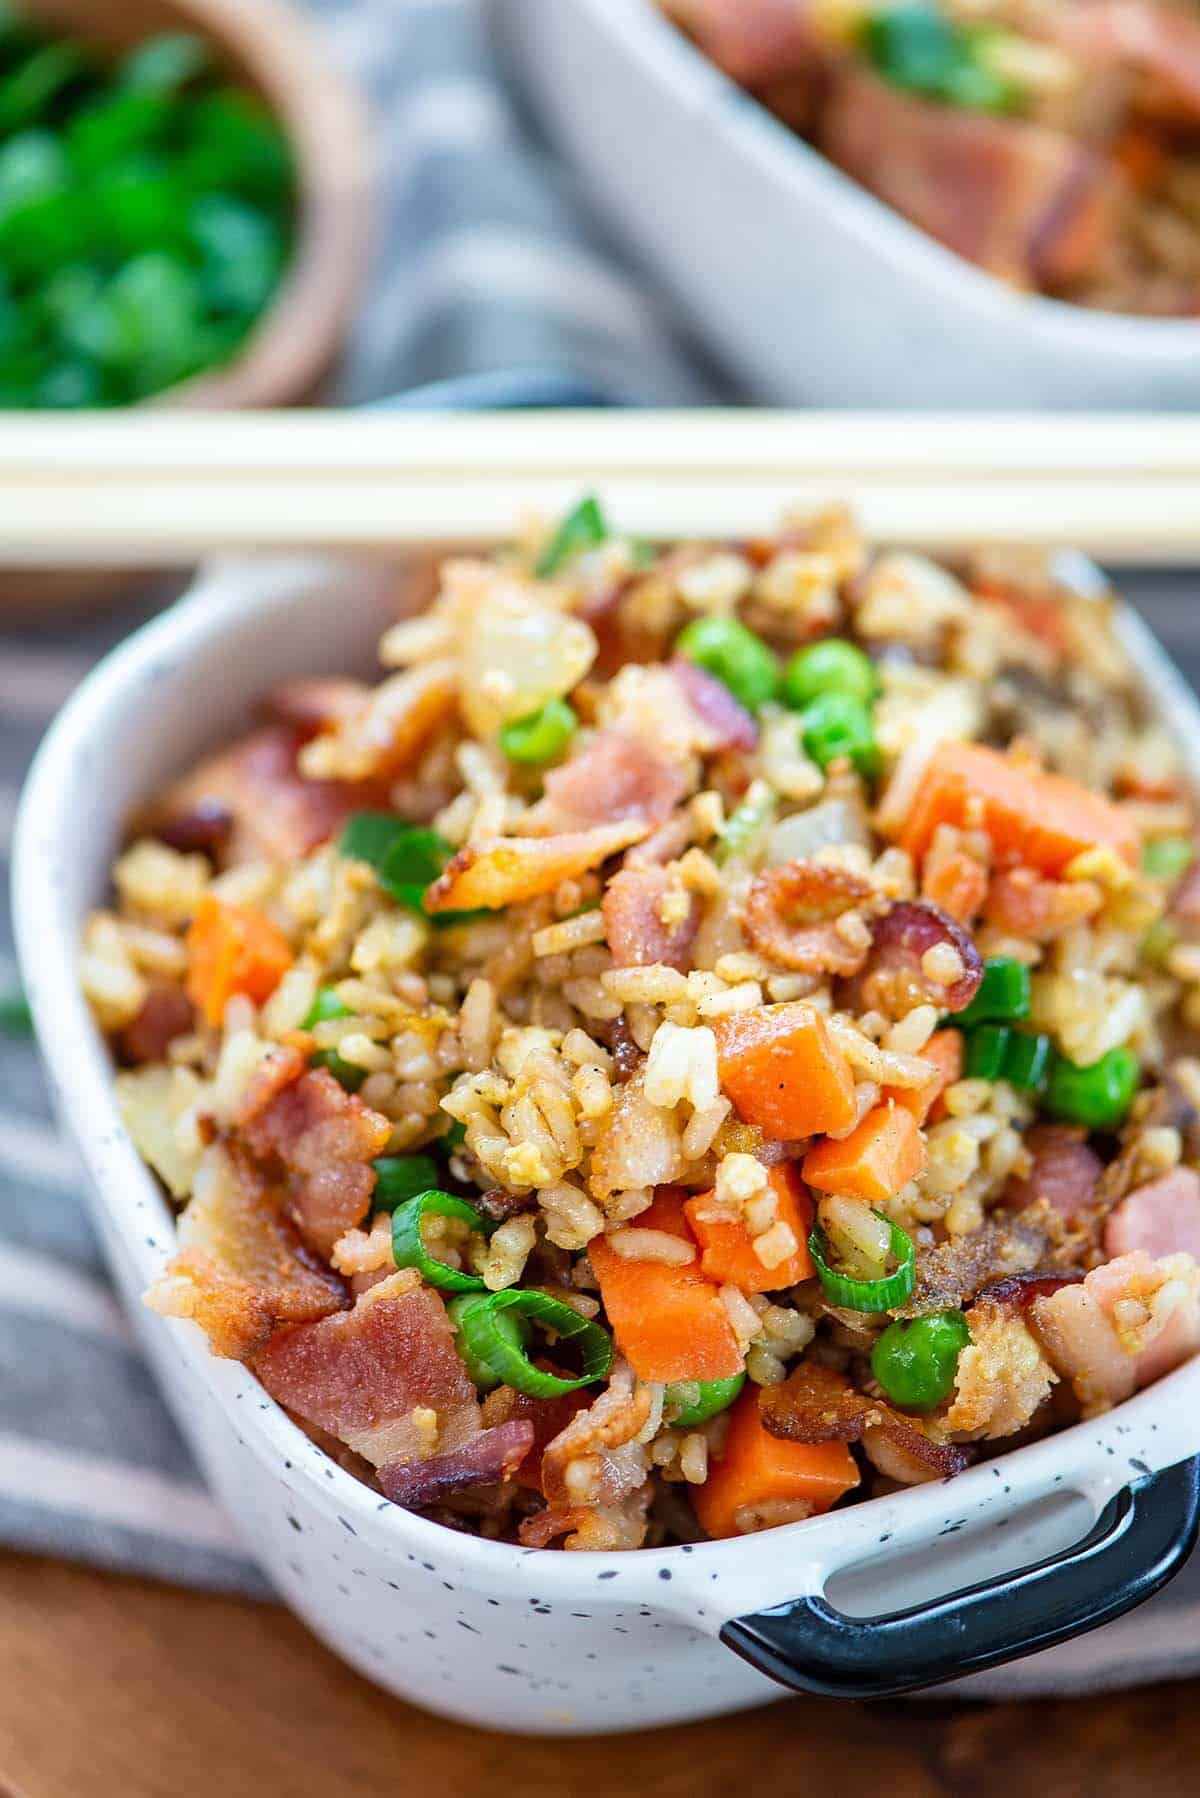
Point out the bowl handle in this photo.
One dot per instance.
(1139, 1541)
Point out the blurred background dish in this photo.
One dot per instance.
(810, 288)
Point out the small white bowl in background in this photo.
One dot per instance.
(808, 287)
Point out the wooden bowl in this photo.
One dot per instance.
(274, 50)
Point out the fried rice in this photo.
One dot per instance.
(706, 1038)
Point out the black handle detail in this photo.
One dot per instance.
(1139, 1541)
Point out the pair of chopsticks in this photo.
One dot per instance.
(160, 488)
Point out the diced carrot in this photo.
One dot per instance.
(232, 949)
(756, 1468)
(1040, 819)
(668, 1322)
(958, 884)
(727, 1249)
(879, 1156)
(945, 1050)
(784, 1072)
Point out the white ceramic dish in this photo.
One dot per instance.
(521, 1639)
(812, 290)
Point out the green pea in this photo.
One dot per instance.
(1166, 858)
(838, 726)
(916, 1362)
(687, 1403)
(1097, 1095)
(542, 736)
(830, 666)
(726, 649)
(325, 1007)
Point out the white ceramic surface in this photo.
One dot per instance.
(517, 1639)
(807, 286)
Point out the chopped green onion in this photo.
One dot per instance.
(917, 48)
(367, 836)
(512, 1328)
(16, 1019)
(837, 726)
(406, 857)
(400, 1177)
(325, 1007)
(541, 736)
(739, 659)
(1166, 858)
(687, 1403)
(1097, 1095)
(916, 1362)
(582, 528)
(1027, 1060)
(866, 1295)
(1002, 996)
(489, 1345)
(830, 666)
(745, 824)
(408, 1247)
(456, 1135)
(984, 1051)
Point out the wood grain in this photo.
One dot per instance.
(116, 1688)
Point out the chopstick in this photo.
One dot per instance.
(167, 488)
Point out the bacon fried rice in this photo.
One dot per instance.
(706, 1039)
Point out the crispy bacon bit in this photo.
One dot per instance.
(253, 804)
(506, 870)
(1022, 903)
(598, 1450)
(547, 1417)
(638, 909)
(1030, 204)
(492, 1456)
(950, 1274)
(893, 980)
(385, 735)
(1019, 1291)
(311, 706)
(166, 1013)
(816, 1404)
(1162, 1217)
(791, 916)
(241, 1269)
(320, 1140)
(728, 723)
(362, 1374)
(639, 1145)
(1065, 1172)
(618, 1039)
(498, 1204)
(277, 1070)
(615, 776)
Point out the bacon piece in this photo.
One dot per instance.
(547, 1417)
(166, 1013)
(1127, 1323)
(791, 915)
(727, 722)
(633, 906)
(1065, 1172)
(1162, 43)
(385, 735)
(281, 1068)
(893, 980)
(1023, 903)
(361, 1375)
(601, 1441)
(242, 1269)
(1162, 1217)
(311, 706)
(1019, 1291)
(754, 41)
(816, 1404)
(639, 1144)
(253, 804)
(320, 1140)
(492, 1456)
(1029, 204)
(506, 870)
(615, 776)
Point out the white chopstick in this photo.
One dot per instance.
(154, 489)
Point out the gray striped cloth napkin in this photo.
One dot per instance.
(486, 265)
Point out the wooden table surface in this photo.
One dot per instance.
(119, 1688)
(116, 1688)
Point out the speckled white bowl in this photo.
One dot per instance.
(516, 1639)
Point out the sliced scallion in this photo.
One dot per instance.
(488, 1342)
(583, 528)
(866, 1295)
(408, 1243)
(400, 1177)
